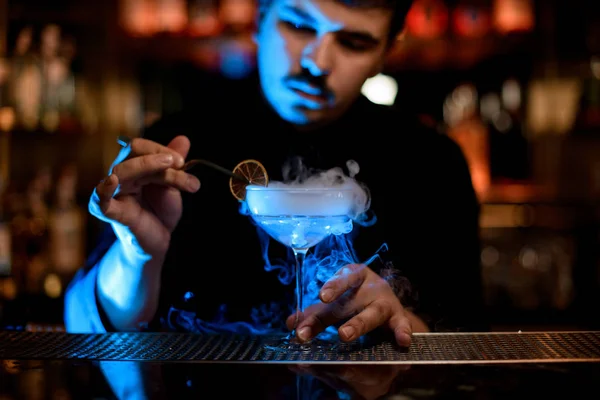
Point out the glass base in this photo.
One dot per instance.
(291, 344)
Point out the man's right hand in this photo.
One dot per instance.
(141, 196)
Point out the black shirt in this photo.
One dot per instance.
(421, 197)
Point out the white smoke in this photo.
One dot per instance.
(348, 195)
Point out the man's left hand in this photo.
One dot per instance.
(355, 291)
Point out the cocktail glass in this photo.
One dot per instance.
(300, 218)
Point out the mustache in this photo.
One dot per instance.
(318, 82)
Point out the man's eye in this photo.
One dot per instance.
(353, 45)
(299, 27)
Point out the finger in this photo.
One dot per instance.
(349, 277)
(125, 211)
(316, 308)
(318, 317)
(292, 322)
(110, 209)
(310, 322)
(180, 144)
(400, 324)
(142, 166)
(316, 320)
(173, 178)
(101, 195)
(104, 192)
(166, 204)
(140, 147)
(132, 223)
(373, 316)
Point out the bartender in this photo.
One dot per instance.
(178, 255)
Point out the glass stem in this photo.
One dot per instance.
(300, 255)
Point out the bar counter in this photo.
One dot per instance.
(498, 365)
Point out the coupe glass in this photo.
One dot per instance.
(300, 218)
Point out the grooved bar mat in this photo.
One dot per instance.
(425, 348)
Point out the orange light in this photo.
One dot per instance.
(470, 21)
(139, 17)
(427, 19)
(513, 16)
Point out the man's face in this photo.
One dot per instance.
(315, 55)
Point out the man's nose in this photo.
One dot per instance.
(318, 56)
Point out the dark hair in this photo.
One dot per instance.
(399, 7)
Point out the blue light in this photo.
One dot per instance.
(235, 63)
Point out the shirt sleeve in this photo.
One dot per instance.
(82, 311)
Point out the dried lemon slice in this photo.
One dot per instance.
(253, 171)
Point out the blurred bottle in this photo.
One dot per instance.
(5, 235)
(588, 115)
(511, 124)
(19, 224)
(4, 81)
(585, 164)
(502, 114)
(7, 284)
(58, 80)
(36, 233)
(66, 225)
(7, 112)
(466, 128)
(26, 91)
(69, 100)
